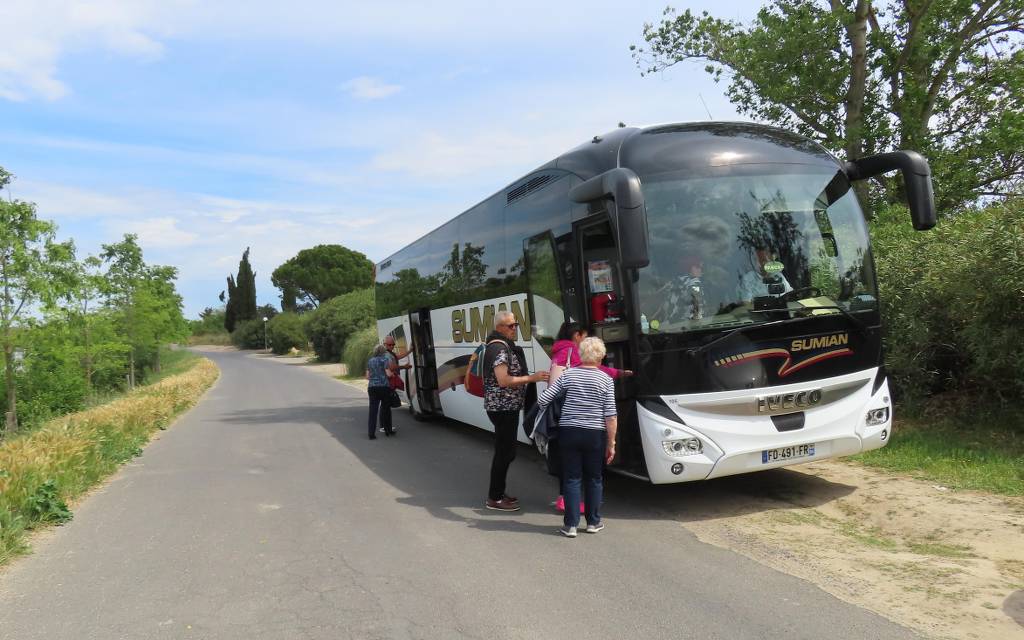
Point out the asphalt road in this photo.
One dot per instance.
(265, 512)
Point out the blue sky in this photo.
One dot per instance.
(206, 127)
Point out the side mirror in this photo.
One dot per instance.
(917, 178)
(628, 214)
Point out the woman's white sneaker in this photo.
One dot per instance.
(594, 528)
(568, 532)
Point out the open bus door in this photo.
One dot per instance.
(606, 311)
(422, 385)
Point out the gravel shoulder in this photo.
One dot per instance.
(939, 561)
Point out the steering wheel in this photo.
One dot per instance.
(797, 294)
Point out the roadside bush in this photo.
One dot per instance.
(330, 325)
(286, 331)
(953, 300)
(248, 334)
(358, 349)
(211, 322)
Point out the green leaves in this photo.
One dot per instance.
(323, 272)
(952, 300)
(941, 78)
(45, 505)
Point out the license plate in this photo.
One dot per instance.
(787, 453)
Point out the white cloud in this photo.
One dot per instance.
(160, 233)
(367, 88)
(38, 33)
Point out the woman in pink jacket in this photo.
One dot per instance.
(565, 354)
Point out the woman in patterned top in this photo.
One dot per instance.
(378, 368)
(586, 432)
(505, 380)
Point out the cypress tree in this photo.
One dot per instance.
(245, 285)
(230, 317)
(241, 304)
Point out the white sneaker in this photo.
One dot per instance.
(594, 528)
(568, 532)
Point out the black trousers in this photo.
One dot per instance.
(506, 427)
(380, 399)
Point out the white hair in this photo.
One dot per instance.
(592, 350)
(502, 317)
(379, 350)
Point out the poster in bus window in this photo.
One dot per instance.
(600, 274)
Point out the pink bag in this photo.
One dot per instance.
(557, 369)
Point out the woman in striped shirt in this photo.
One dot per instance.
(586, 432)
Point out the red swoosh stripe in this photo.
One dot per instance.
(785, 369)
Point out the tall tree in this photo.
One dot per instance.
(321, 273)
(126, 273)
(33, 270)
(146, 301)
(95, 341)
(160, 316)
(231, 306)
(241, 301)
(942, 78)
(246, 289)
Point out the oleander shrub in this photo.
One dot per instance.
(248, 334)
(953, 301)
(286, 331)
(331, 324)
(358, 349)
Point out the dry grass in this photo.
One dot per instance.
(42, 470)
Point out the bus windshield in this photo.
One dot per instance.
(755, 244)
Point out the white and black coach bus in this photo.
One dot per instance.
(727, 264)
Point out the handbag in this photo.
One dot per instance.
(557, 369)
(393, 399)
(395, 382)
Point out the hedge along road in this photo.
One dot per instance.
(265, 512)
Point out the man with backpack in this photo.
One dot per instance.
(505, 381)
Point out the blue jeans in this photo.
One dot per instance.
(582, 452)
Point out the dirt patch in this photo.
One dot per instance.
(935, 560)
(212, 347)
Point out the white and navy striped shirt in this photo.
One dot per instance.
(589, 397)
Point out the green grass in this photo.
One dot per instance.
(223, 339)
(983, 453)
(171, 364)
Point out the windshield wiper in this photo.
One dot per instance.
(857, 322)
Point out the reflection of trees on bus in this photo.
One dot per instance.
(464, 271)
(463, 277)
(780, 234)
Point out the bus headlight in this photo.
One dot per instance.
(684, 447)
(877, 416)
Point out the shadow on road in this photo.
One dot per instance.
(443, 467)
